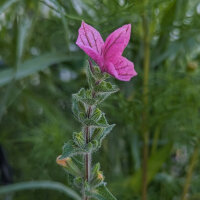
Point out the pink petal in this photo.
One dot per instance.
(116, 43)
(121, 68)
(91, 42)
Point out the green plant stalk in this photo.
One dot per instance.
(88, 156)
(88, 178)
(155, 140)
(145, 130)
(190, 170)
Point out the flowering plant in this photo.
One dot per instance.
(77, 153)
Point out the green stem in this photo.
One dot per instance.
(190, 170)
(88, 156)
(155, 139)
(145, 102)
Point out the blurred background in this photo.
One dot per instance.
(153, 152)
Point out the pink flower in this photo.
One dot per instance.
(108, 55)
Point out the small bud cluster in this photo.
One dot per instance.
(77, 153)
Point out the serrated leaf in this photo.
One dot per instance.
(78, 108)
(81, 116)
(88, 101)
(105, 87)
(100, 133)
(70, 149)
(95, 75)
(102, 121)
(85, 97)
(75, 109)
(102, 193)
(90, 122)
(97, 133)
(96, 114)
(106, 131)
(79, 139)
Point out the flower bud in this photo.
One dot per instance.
(97, 179)
(69, 165)
(62, 162)
(100, 176)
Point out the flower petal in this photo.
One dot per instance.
(124, 68)
(91, 42)
(116, 43)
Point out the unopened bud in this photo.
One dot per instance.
(97, 179)
(62, 162)
(100, 176)
(69, 165)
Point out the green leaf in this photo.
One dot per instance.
(106, 131)
(79, 139)
(155, 162)
(32, 66)
(72, 168)
(24, 24)
(70, 149)
(105, 87)
(102, 121)
(6, 5)
(85, 97)
(104, 90)
(78, 108)
(90, 122)
(96, 114)
(100, 133)
(95, 76)
(102, 193)
(32, 185)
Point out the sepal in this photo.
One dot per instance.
(94, 75)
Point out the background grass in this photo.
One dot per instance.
(40, 67)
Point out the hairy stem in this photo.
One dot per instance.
(88, 156)
(145, 130)
(190, 170)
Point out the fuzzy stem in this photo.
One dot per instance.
(88, 156)
(190, 170)
(145, 101)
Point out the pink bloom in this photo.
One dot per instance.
(108, 55)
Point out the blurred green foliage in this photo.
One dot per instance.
(40, 67)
